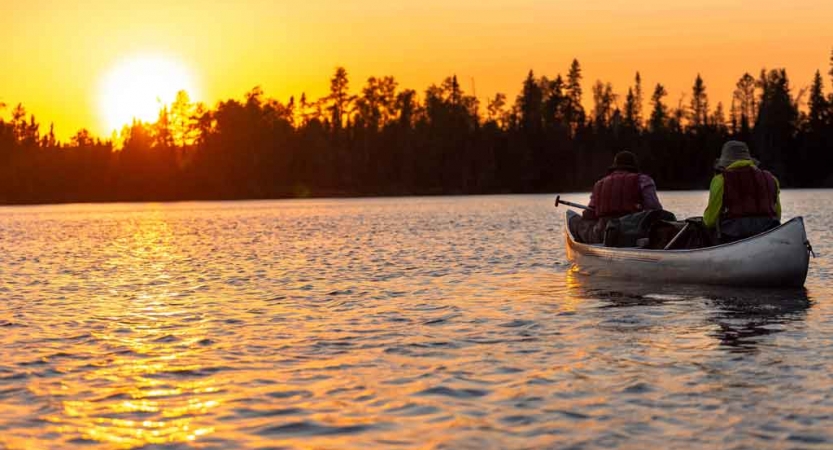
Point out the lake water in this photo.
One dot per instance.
(448, 322)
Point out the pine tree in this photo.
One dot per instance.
(630, 109)
(339, 97)
(554, 102)
(530, 104)
(638, 100)
(603, 103)
(575, 111)
(831, 66)
(574, 82)
(718, 119)
(746, 103)
(775, 127)
(831, 79)
(819, 113)
(699, 104)
(659, 114)
(495, 108)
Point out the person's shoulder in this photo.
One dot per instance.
(774, 178)
(645, 178)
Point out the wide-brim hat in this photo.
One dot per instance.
(732, 152)
(625, 160)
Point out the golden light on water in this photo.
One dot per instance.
(573, 283)
(138, 87)
(153, 365)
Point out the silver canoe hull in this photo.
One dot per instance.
(777, 258)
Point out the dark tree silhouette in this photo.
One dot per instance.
(744, 112)
(831, 67)
(638, 100)
(390, 141)
(339, 99)
(775, 126)
(699, 105)
(575, 111)
(603, 104)
(819, 112)
(816, 138)
(659, 114)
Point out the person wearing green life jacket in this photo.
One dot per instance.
(743, 199)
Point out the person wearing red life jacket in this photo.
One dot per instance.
(743, 199)
(624, 190)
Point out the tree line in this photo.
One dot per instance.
(385, 140)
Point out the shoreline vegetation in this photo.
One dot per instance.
(385, 141)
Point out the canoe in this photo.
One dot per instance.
(777, 258)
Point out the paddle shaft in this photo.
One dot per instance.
(558, 201)
(674, 241)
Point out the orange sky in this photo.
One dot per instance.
(55, 53)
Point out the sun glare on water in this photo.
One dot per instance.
(138, 87)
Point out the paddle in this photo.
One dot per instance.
(674, 241)
(558, 201)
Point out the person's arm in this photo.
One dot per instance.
(777, 198)
(590, 213)
(649, 193)
(712, 213)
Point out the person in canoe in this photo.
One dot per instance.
(743, 199)
(623, 191)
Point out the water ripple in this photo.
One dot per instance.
(389, 323)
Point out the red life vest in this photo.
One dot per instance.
(618, 194)
(749, 192)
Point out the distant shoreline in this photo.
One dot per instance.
(337, 196)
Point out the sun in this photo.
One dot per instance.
(138, 87)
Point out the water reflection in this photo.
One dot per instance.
(141, 380)
(427, 323)
(742, 317)
(739, 316)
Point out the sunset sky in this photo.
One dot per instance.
(56, 53)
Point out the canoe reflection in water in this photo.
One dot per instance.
(744, 316)
(738, 316)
